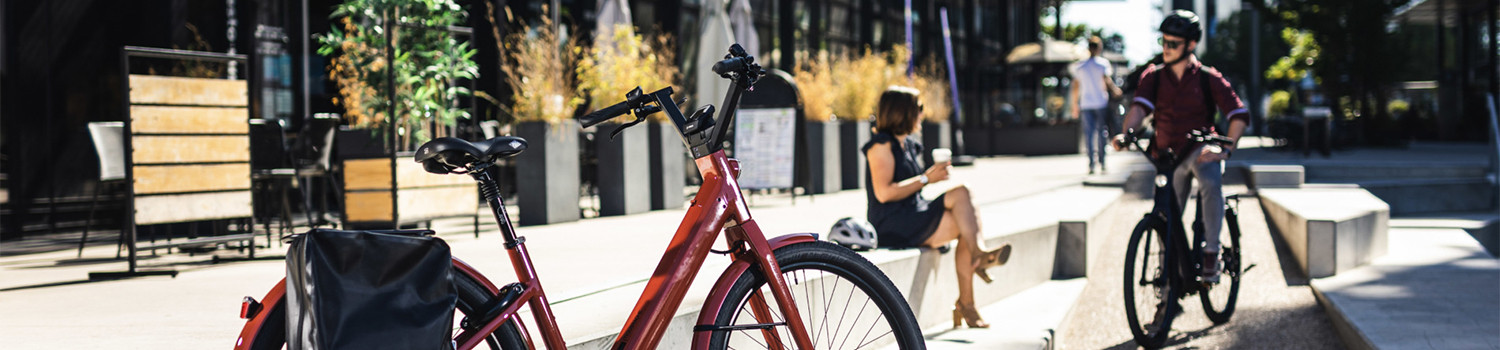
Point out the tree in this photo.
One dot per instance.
(1354, 52)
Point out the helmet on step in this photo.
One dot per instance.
(857, 234)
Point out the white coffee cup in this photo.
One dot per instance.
(941, 155)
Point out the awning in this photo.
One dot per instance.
(1046, 51)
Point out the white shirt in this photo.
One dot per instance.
(1089, 74)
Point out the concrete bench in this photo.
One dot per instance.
(1328, 229)
(1275, 176)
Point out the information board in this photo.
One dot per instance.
(765, 145)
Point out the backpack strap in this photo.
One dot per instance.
(1208, 95)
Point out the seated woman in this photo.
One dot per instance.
(902, 218)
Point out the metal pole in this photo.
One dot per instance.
(1256, 95)
(391, 120)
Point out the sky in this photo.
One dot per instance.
(1136, 20)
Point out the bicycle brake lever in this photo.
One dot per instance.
(639, 117)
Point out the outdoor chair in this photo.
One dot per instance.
(314, 159)
(109, 144)
(271, 173)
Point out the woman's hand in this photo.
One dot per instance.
(938, 172)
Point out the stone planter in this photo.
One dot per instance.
(1038, 140)
(668, 160)
(819, 158)
(935, 135)
(547, 173)
(852, 136)
(624, 170)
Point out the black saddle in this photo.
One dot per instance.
(446, 154)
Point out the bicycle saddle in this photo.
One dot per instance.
(445, 154)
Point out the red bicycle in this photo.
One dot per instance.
(791, 291)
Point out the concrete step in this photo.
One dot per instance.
(1484, 227)
(1031, 224)
(1025, 321)
(1328, 230)
(1435, 290)
(1408, 196)
(1343, 171)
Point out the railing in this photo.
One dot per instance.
(1494, 142)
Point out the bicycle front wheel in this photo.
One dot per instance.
(1150, 300)
(844, 300)
(1219, 299)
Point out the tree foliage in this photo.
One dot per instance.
(428, 64)
(1347, 46)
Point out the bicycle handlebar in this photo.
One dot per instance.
(604, 115)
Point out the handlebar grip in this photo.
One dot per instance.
(604, 115)
(731, 65)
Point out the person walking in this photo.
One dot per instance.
(1185, 95)
(903, 219)
(1092, 89)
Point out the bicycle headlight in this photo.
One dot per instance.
(1161, 180)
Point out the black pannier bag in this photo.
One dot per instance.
(369, 290)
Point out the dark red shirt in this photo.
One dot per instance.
(1177, 102)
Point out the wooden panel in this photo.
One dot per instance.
(161, 209)
(367, 206)
(416, 204)
(427, 203)
(156, 89)
(189, 120)
(150, 179)
(190, 149)
(367, 174)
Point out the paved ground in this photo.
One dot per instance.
(1276, 307)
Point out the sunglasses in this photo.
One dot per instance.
(1170, 44)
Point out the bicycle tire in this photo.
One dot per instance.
(808, 268)
(471, 294)
(1232, 269)
(1160, 285)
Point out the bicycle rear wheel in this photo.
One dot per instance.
(471, 295)
(1150, 299)
(1219, 299)
(845, 301)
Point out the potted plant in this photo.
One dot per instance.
(538, 67)
(819, 171)
(865, 78)
(635, 169)
(397, 68)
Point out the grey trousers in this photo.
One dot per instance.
(1210, 189)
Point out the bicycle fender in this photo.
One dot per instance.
(726, 279)
(253, 326)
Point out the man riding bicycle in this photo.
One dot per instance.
(1183, 95)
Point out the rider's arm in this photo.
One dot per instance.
(1073, 96)
(1235, 111)
(882, 168)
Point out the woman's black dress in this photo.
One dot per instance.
(906, 222)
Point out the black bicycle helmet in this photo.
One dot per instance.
(1182, 23)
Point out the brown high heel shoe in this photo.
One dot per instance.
(967, 314)
(993, 258)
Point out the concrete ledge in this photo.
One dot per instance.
(1436, 290)
(1032, 225)
(1275, 176)
(1328, 230)
(1435, 195)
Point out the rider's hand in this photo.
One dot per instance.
(1211, 154)
(938, 172)
(1118, 142)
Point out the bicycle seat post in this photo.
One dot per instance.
(484, 173)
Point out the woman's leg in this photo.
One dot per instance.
(963, 256)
